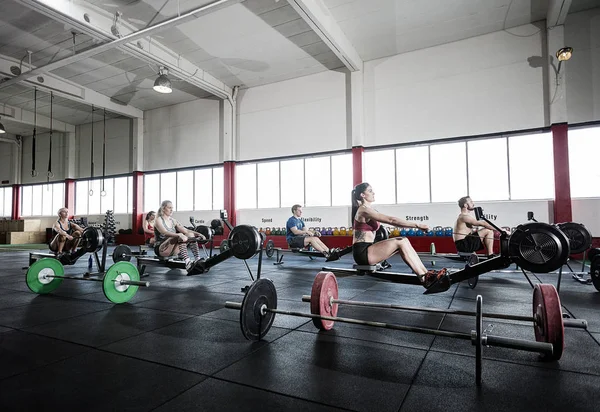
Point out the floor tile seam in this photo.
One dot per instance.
(57, 320)
(247, 385)
(514, 362)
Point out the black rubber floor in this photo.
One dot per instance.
(175, 347)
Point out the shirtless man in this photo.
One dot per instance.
(467, 237)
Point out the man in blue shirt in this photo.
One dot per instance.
(298, 236)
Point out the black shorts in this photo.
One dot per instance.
(360, 252)
(297, 242)
(471, 243)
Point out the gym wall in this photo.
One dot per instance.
(182, 135)
(582, 31)
(335, 216)
(476, 86)
(292, 117)
(118, 147)
(42, 151)
(7, 159)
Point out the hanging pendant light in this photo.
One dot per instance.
(162, 84)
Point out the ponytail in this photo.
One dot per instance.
(356, 199)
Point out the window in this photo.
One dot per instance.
(107, 202)
(448, 172)
(36, 200)
(531, 166)
(58, 198)
(341, 179)
(317, 172)
(168, 188)
(268, 184)
(379, 172)
(26, 200)
(203, 189)
(292, 182)
(6, 201)
(412, 175)
(81, 198)
(584, 173)
(218, 188)
(185, 190)
(488, 169)
(151, 192)
(122, 186)
(245, 181)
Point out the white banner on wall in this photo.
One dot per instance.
(200, 217)
(432, 214)
(313, 217)
(586, 211)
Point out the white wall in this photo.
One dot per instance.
(312, 216)
(475, 86)
(42, 151)
(585, 211)
(182, 135)
(298, 116)
(582, 32)
(7, 160)
(118, 147)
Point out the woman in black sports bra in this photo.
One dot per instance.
(68, 234)
(366, 221)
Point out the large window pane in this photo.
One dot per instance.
(292, 182)
(47, 200)
(203, 189)
(268, 184)
(448, 172)
(36, 197)
(94, 197)
(107, 202)
(121, 188)
(8, 198)
(168, 188)
(412, 175)
(341, 179)
(185, 190)
(531, 165)
(58, 198)
(318, 177)
(151, 192)
(81, 198)
(488, 169)
(129, 194)
(379, 173)
(218, 188)
(26, 201)
(584, 146)
(245, 181)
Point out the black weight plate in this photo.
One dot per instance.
(92, 239)
(270, 248)
(253, 322)
(593, 253)
(206, 231)
(224, 245)
(538, 247)
(579, 237)
(595, 272)
(122, 253)
(244, 241)
(472, 282)
(381, 234)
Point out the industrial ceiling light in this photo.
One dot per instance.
(2, 129)
(162, 84)
(563, 54)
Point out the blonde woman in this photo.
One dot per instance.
(68, 234)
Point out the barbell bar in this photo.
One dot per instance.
(571, 323)
(119, 281)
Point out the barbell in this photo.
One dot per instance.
(120, 283)
(259, 307)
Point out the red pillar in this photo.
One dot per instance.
(137, 211)
(357, 168)
(562, 184)
(229, 196)
(16, 202)
(70, 196)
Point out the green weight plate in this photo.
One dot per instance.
(122, 253)
(113, 290)
(36, 280)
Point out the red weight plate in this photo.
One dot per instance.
(547, 313)
(324, 288)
